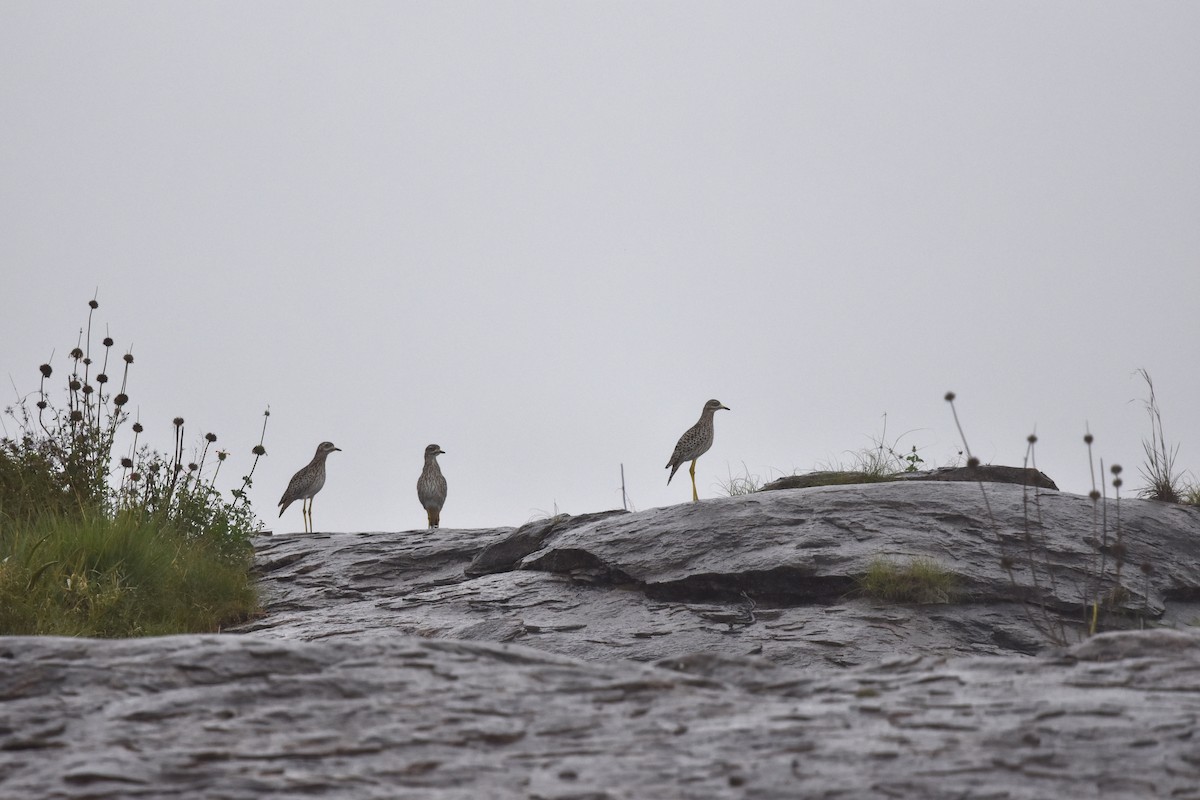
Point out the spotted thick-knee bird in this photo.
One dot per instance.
(431, 486)
(306, 483)
(694, 443)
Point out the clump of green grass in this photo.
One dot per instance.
(1191, 495)
(1163, 481)
(123, 576)
(738, 485)
(921, 581)
(99, 545)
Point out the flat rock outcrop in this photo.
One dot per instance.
(722, 649)
(773, 574)
(988, 473)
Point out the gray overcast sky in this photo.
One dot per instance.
(541, 235)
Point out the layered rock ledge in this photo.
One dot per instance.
(773, 574)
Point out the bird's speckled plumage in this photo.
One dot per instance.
(431, 486)
(694, 443)
(306, 483)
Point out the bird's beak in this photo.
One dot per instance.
(726, 408)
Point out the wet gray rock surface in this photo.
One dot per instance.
(394, 716)
(772, 574)
(717, 650)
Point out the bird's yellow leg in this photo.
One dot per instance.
(306, 512)
(692, 472)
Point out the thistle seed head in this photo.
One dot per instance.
(128, 358)
(41, 404)
(45, 368)
(92, 304)
(972, 462)
(120, 399)
(74, 385)
(1116, 469)
(137, 427)
(1087, 438)
(76, 416)
(108, 342)
(949, 397)
(101, 378)
(259, 450)
(1031, 438)
(126, 462)
(178, 421)
(1094, 494)
(76, 354)
(210, 437)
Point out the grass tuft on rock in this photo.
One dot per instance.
(1163, 480)
(98, 576)
(920, 581)
(739, 485)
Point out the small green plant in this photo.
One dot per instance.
(881, 460)
(921, 581)
(29, 482)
